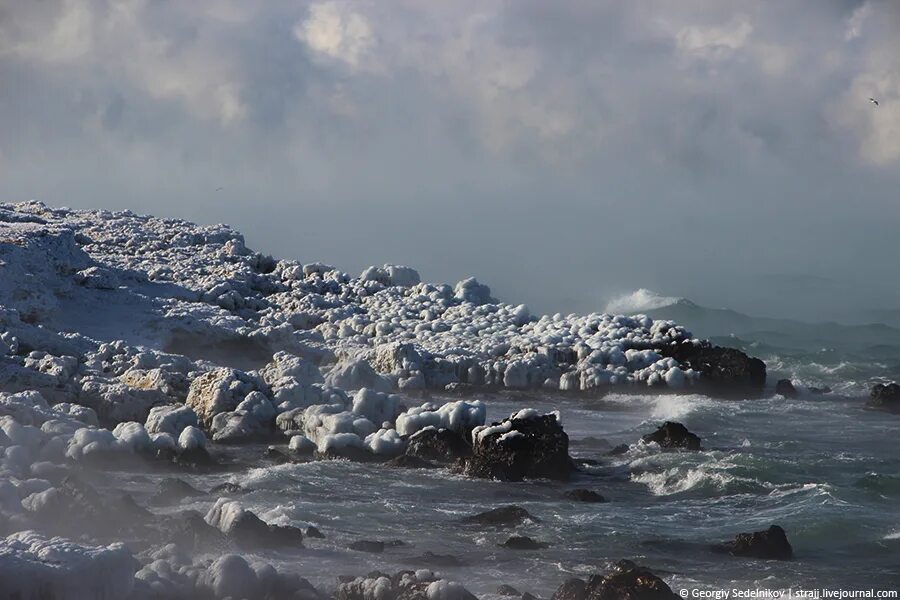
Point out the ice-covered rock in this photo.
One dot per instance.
(460, 416)
(170, 418)
(526, 445)
(219, 391)
(33, 566)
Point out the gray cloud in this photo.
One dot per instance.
(563, 152)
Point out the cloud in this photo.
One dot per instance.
(334, 30)
(561, 152)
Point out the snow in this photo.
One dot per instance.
(33, 566)
(171, 419)
(191, 438)
(459, 416)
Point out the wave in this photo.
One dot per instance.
(638, 301)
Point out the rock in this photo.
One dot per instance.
(249, 531)
(572, 589)
(785, 387)
(505, 516)
(885, 396)
(724, 370)
(618, 450)
(526, 445)
(672, 435)
(227, 488)
(581, 495)
(771, 543)
(405, 461)
(190, 531)
(374, 547)
(438, 445)
(627, 581)
(529, 596)
(219, 391)
(313, 532)
(507, 590)
(521, 542)
(170, 418)
(276, 456)
(172, 490)
(197, 459)
(430, 559)
(253, 419)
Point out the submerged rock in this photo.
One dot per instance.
(582, 495)
(430, 559)
(522, 542)
(885, 396)
(526, 445)
(375, 547)
(784, 387)
(627, 581)
(505, 516)
(173, 490)
(771, 543)
(671, 435)
(507, 590)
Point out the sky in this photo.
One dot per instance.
(562, 152)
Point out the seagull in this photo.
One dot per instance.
(873, 101)
(218, 189)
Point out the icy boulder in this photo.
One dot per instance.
(526, 445)
(253, 418)
(377, 407)
(420, 585)
(33, 566)
(248, 530)
(357, 373)
(219, 391)
(171, 419)
(286, 365)
(460, 416)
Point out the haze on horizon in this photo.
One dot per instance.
(562, 152)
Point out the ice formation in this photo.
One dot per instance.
(201, 338)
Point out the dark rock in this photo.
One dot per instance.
(368, 546)
(819, 391)
(405, 461)
(618, 450)
(541, 451)
(507, 590)
(438, 445)
(724, 370)
(572, 589)
(227, 488)
(885, 396)
(529, 596)
(785, 388)
(190, 531)
(173, 490)
(521, 542)
(771, 543)
(195, 458)
(275, 455)
(673, 436)
(313, 532)
(505, 516)
(249, 531)
(628, 581)
(430, 559)
(581, 495)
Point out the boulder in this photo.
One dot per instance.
(723, 370)
(784, 387)
(430, 559)
(507, 590)
(521, 542)
(438, 445)
(172, 490)
(375, 547)
(505, 516)
(627, 581)
(249, 531)
(582, 495)
(771, 543)
(885, 396)
(673, 436)
(526, 445)
(171, 419)
(219, 391)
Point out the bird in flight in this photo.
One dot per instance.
(873, 101)
(221, 188)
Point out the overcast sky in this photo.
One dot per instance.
(563, 152)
